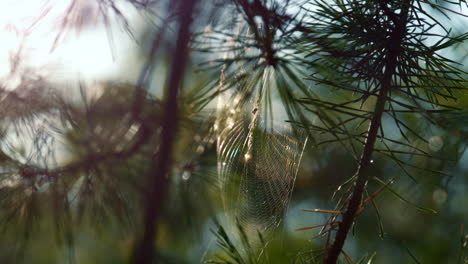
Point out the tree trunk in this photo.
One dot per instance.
(158, 182)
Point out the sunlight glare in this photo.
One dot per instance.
(29, 30)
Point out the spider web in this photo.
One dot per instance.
(258, 160)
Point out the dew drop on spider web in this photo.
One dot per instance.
(257, 169)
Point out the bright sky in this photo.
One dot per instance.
(31, 27)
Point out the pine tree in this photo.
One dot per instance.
(281, 78)
(376, 54)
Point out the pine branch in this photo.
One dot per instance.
(362, 174)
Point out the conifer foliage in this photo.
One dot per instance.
(280, 79)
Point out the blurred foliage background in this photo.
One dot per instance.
(77, 148)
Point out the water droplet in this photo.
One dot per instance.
(435, 143)
(186, 175)
(247, 157)
(371, 161)
(230, 123)
(200, 149)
